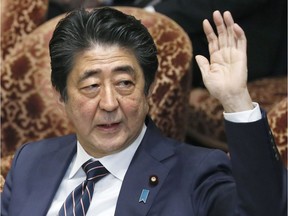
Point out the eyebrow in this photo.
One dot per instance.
(120, 69)
(88, 74)
(126, 69)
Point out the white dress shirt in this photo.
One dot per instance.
(107, 189)
(245, 116)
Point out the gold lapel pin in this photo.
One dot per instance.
(153, 180)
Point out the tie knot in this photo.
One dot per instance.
(94, 170)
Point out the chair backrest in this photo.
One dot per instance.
(19, 18)
(29, 108)
(277, 117)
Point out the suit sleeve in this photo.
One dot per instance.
(259, 173)
(7, 189)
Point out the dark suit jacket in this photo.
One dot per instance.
(192, 180)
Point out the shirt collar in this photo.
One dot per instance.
(117, 164)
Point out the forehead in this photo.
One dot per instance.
(100, 58)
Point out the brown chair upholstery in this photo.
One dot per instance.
(2, 182)
(206, 113)
(18, 19)
(277, 117)
(29, 108)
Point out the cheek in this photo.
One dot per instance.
(136, 106)
(80, 108)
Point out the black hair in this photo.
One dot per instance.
(80, 30)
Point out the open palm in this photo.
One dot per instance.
(225, 76)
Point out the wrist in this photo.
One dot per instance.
(237, 103)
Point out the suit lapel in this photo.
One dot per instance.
(147, 162)
(48, 175)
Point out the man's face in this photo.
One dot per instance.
(106, 100)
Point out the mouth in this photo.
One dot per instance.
(109, 126)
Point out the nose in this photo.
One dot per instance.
(108, 100)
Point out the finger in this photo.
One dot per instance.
(241, 41)
(211, 37)
(221, 29)
(229, 22)
(203, 64)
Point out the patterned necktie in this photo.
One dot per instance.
(77, 203)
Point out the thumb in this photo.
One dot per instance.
(203, 64)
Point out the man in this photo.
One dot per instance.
(103, 66)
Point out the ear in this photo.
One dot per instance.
(149, 95)
(60, 104)
(151, 89)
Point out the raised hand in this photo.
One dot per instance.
(225, 76)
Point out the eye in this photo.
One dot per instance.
(90, 89)
(125, 84)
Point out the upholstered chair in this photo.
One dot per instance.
(277, 117)
(18, 19)
(30, 110)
